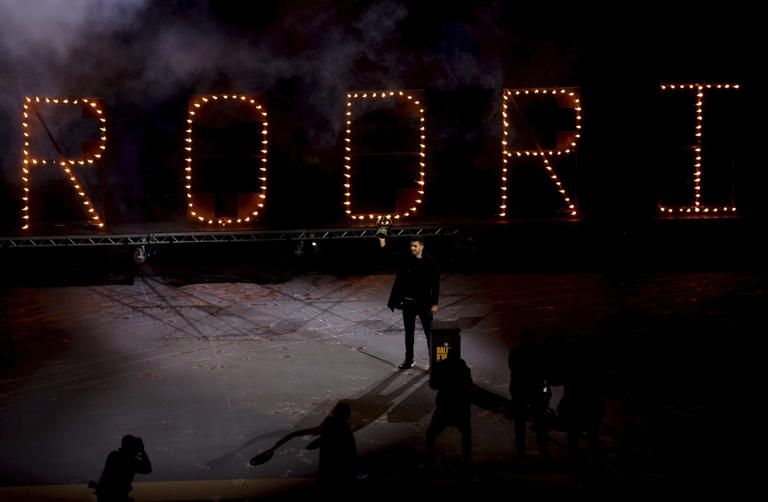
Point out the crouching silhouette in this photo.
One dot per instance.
(121, 465)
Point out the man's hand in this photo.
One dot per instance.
(382, 242)
(434, 309)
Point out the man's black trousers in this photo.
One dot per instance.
(409, 320)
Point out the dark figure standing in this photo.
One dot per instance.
(115, 482)
(415, 291)
(530, 392)
(338, 450)
(453, 380)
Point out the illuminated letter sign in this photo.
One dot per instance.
(564, 144)
(698, 208)
(413, 160)
(228, 167)
(92, 152)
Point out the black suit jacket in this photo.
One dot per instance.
(427, 276)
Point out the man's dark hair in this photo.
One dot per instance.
(418, 239)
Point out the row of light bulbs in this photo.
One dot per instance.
(200, 101)
(30, 162)
(673, 87)
(510, 94)
(195, 214)
(697, 207)
(412, 97)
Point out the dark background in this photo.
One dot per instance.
(145, 59)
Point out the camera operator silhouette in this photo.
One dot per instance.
(453, 380)
(119, 469)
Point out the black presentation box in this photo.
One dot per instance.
(445, 337)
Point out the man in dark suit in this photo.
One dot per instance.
(415, 292)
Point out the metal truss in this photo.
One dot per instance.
(213, 237)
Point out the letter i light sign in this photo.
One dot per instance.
(698, 208)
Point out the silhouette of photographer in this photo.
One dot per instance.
(119, 469)
(453, 380)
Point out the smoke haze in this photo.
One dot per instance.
(145, 58)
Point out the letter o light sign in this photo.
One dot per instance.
(254, 207)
